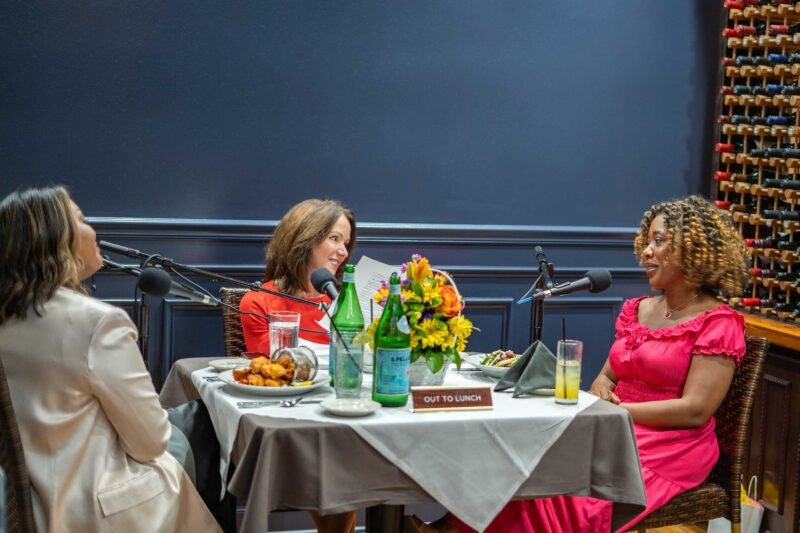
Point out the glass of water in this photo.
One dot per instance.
(284, 327)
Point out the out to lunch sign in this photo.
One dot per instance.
(464, 398)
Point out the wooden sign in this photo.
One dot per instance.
(464, 398)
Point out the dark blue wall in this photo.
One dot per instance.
(470, 131)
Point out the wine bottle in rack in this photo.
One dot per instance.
(753, 302)
(783, 29)
(751, 178)
(748, 207)
(781, 120)
(778, 275)
(782, 184)
(780, 215)
(781, 242)
(735, 147)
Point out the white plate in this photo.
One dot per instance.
(474, 359)
(228, 363)
(343, 407)
(320, 381)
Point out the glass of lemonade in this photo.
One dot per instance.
(568, 370)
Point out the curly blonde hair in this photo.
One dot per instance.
(703, 242)
(38, 235)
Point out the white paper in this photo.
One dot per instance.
(369, 275)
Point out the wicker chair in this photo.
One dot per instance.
(19, 512)
(232, 333)
(719, 495)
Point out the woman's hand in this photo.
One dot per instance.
(604, 384)
(603, 388)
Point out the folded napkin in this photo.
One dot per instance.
(536, 369)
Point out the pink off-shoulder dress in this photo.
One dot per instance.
(650, 365)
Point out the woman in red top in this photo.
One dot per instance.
(313, 234)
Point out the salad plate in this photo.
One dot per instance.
(287, 390)
(475, 360)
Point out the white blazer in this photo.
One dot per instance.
(94, 434)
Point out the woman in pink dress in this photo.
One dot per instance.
(670, 366)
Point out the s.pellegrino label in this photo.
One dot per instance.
(391, 374)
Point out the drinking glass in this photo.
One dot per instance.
(348, 373)
(568, 371)
(284, 327)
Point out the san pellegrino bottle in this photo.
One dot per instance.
(392, 352)
(349, 320)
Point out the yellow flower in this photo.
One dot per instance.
(381, 295)
(430, 292)
(429, 333)
(462, 327)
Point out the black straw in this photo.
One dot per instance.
(563, 328)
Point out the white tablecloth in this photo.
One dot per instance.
(488, 454)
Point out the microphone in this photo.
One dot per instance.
(156, 282)
(324, 282)
(121, 250)
(543, 266)
(596, 280)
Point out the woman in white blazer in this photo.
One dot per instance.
(94, 435)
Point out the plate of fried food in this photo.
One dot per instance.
(264, 377)
(493, 364)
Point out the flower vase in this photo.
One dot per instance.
(421, 375)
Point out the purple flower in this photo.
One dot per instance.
(426, 314)
(416, 257)
(403, 268)
(405, 281)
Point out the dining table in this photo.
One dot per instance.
(470, 462)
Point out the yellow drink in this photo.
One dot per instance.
(568, 381)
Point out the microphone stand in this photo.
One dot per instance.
(141, 308)
(167, 262)
(543, 282)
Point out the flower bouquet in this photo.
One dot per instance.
(433, 306)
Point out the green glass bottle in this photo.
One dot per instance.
(349, 321)
(392, 352)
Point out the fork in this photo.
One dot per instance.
(279, 403)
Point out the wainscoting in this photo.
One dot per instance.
(493, 266)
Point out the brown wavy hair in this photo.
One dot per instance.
(38, 234)
(302, 227)
(703, 242)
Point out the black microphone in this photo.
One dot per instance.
(325, 283)
(156, 282)
(543, 267)
(596, 280)
(121, 250)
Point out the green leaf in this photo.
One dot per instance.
(435, 361)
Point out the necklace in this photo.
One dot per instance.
(669, 312)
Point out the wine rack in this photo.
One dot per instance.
(757, 173)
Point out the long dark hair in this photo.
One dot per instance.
(38, 233)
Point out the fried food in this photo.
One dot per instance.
(265, 373)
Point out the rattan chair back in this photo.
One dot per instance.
(19, 511)
(232, 333)
(719, 495)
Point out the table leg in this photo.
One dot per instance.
(385, 519)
